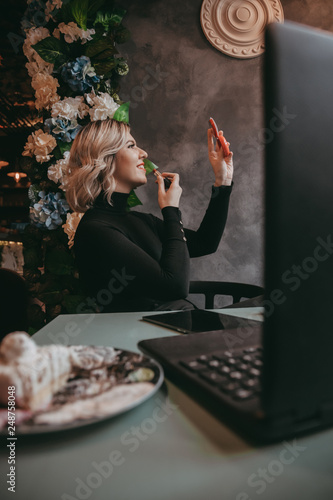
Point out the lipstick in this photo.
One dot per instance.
(167, 182)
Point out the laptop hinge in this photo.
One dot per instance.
(283, 419)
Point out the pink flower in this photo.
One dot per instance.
(45, 87)
(72, 32)
(40, 144)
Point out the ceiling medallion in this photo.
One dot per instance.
(236, 27)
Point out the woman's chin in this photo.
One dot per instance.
(141, 182)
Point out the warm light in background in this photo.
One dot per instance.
(17, 175)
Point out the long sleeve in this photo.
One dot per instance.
(120, 251)
(206, 239)
(128, 258)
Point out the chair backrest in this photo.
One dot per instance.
(212, 288)
(13, 302)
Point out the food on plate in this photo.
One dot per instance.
(36, 372)
(56, 385)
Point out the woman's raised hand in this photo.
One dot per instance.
(222, 165)
(171, 197)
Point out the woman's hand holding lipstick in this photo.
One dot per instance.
(167, 182)
(170, 197)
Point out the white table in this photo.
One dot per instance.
(168, 448)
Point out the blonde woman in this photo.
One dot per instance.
(129, 260)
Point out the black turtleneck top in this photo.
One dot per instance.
(132, 261)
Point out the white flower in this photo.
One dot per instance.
(54, 172)
(70, 227)
(57, 171)
(102, 106)
(86, 35)
(40, 144)
(72, 32)
(70, 108)
(45, 87)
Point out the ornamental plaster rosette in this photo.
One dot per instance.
(236, 27)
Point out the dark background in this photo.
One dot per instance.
(169, 119)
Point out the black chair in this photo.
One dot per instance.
(236, 290)
(13, 302)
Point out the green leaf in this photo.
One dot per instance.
(31, 258)
(51, 50)
(64, 146)
(94, 5)
(122, 113)
(149, 165)
(103, 67)
(122, 35)
(133, 200)
(122, 66)
(58, 262)
(32, 331)
(106, 54)
(51, 298)
(119, 13)
(110, 19)
(99, 45)
(75, 303)
(33, 194)
(65, 13)
(79, 9)
(103, 19)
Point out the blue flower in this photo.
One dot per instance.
(46, 214)
(79, 74)
(62, 129)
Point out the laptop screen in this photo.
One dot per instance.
(298, 340)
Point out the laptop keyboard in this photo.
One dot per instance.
(237, 374)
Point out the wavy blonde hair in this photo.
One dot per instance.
(91, 162)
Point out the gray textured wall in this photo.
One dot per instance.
(169, 120)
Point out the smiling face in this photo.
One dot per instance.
(129, 168)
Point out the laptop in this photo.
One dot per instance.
(282, 382)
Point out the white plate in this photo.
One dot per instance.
(130, 380)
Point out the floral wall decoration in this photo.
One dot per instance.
(76, 68)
